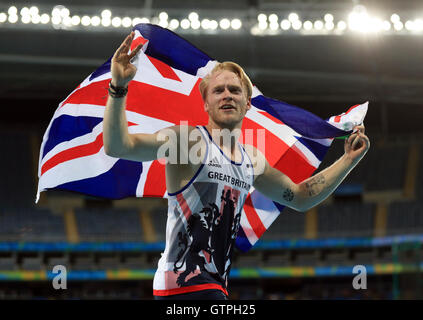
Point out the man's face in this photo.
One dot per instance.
(226, 99)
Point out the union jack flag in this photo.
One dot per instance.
(163, 93)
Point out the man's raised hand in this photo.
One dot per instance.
(123, 71)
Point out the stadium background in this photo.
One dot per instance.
(111, 248)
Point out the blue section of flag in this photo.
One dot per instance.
(302, 121)
(107, 185)
(171, 49)
(318, 149)
(66, 128)
(242, 242)
(102, 70)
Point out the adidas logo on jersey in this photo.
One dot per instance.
(215, 163)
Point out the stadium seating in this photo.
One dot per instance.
(346, 220)
(17, 181)
(289, 224)
(159, 219)
(29, 224)
(111, 224)
(405, 218)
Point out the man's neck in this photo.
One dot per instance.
(225, 138)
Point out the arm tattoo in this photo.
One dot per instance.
(313, 185)
(288, 195)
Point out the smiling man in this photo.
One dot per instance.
(206, 197)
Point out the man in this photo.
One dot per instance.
(207, 191)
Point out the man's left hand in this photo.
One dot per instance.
(357, 144)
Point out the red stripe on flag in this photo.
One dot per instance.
(155, 183)
(94, 93)
(150, 101)
(137, 41)
(165, 70)
(73, 153)
(167, 105)
(273, 146)
(76, 152)
(338, 118)
(253, 218)
(294, 165)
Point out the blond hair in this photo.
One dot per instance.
(229, 66)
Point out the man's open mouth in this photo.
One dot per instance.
(227, 107)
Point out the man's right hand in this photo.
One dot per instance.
(123, 71)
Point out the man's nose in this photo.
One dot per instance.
(227, 95)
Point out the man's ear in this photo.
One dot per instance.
(206, 107)
(249, 104)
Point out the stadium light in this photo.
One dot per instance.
(261, 17)
(95, 21)
(225, 24)
(296, 25)
(328, 17)
(163, 16)
(195, 24)
(67, 21)
(173, 24)
(64, 12)
(398, 26)
(193, 16)
(35, 19)
(262, 25)
(274, 25)
(13, 18)
(85, 21)
(26, 19)
(418, 24)
(308, 25)
(3, 17)
(395, 18)
(106, 21)
(24, 11)
(273, 18)
(12, 11)
(285, 24)
(386, 25)
(116, 22)
(45, 18)
(236, 24)
(409, 25)
(205, 24)
(76, 20)
(213, 24)
(292, 17)
(106, 13)
(126, 22)
(33, 11)
(56, 20)
(318, 25)
(342, 25)
(185, 24)
(329, 25)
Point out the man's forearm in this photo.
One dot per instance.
(115, 127)
(318, 187)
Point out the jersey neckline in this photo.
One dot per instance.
(221, 151)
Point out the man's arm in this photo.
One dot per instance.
(116, 138)
(312, 191)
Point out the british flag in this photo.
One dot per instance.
(163, 93)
